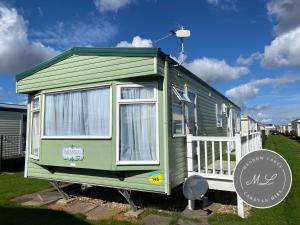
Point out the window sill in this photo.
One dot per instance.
(137, 163)
(77, 137)
(34, 157)
(179, 135)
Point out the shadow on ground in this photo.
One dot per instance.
(13, 165)
(35, 216)
(174, 202)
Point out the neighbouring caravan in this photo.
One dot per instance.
(118, 117)
(248, 125)
(289, 128)
(12, 130)
(269, 128)
(296, 127)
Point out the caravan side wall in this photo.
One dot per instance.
(296, 127)
(207, 98)
(99, 166)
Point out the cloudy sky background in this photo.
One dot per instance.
(248, 50)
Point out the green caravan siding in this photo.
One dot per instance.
(134, 180)
(206, 115)
(99, 164)
(10, 123)
(78, 70)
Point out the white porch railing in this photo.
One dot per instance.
(215, 158)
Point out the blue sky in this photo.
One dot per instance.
(248, 50)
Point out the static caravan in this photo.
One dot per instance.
(118, 117)
(296, 127)
(269, 128)
(289, 128)
(248, 124)
(13, 120)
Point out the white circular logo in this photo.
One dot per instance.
(262, 178)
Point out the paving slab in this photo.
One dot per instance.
(65, 202)
(194, 214)
(102, 213)
(80, 207)
(134, 214)
(156, 219)
(190, 222)
(39, 199)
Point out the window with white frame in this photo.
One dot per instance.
(219, 115)
(138, 132)
(35, 127)
(82, 113)
(178, 99)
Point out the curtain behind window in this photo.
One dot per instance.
(137, 126)
(78, 113)
(35, 140)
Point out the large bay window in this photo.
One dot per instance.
(82, 113)
(138, 133)
(35, 128)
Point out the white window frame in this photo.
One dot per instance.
(218, 115)
(181, 99)
(136, 101)
(195, 108)
(109, 136)
(32, 111)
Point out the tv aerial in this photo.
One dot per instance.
(181, 33)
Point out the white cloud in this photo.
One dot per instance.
(212, 2)
(248, 61)
(224, 4)
(65, 35)
(266, 120)
(111, 5)
(286, 13)
(17, 53)
(263, 118)
(210, 69)
(137, 41)
(257, 108)
(243, 93)
(284, 50)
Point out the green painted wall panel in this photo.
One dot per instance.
(97, 153)
(206, 116)
(10, 123)
(87, 69)
(136, 180)
(103, 68)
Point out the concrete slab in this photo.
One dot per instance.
(65, 201)
(102, 213)
(157, 220)
(39, 199)
(134, 214)
(80, 207)
(197, 214)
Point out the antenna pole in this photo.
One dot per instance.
(182, 45)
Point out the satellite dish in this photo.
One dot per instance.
(195, 187)
(183, 33)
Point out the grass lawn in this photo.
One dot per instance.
(288, 211)
(13, 185)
